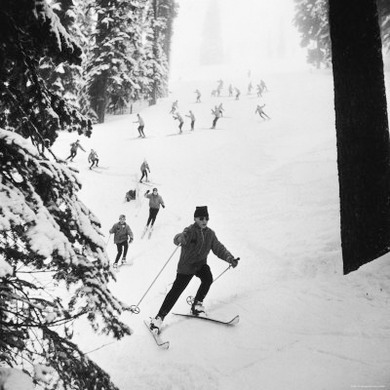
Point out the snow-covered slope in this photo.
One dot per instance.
(272, 192)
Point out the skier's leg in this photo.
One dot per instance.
(118, 255)
(206, 278)
(153, 213)
(125, 248)
(179, 285)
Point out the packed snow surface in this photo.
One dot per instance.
(271, 187)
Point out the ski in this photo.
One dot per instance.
(144, 232)
(157, 338)
(150, 233)
(234, 321)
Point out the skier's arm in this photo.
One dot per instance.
(182, 238)
(130, 233)
(112, 230)
(220, 251)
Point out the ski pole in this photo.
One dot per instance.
(190, 299)
(135, 308)
(108, 239)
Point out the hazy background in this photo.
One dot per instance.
(230, 36)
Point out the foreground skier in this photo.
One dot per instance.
(196, 241)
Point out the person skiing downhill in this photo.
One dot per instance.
(259, 109)
(144, 170)
(180, 119)
(192, 117)
(155, 201)
(198, 95)
(196, 241)
(123, 236)
(175, 106)
(93, 159)
(141, 126)
(73, 149)
(217, 114)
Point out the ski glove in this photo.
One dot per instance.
(163, 206)
(234, 261)
(147, 191)
(131, 240)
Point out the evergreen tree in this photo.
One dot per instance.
(49, 240)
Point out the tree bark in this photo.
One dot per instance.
(362, 131)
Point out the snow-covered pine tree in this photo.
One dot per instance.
(30, 31)
(53, 265)
(110, 62)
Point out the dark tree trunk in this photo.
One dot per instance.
(98, 96)
(362, 131)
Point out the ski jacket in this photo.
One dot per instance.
(93, 156)
(196, 244)
(145, 166)
(155, 201)
(74, 146)
(122, 232)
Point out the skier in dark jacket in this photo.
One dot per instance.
(73, 149)
(196, 241)
(123, 236)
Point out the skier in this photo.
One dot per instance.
(141, 126)
(73, 149)
(192, 116)
(123, 236)
(217, 114)
(219, 87)
(198, 95)
(180, 119)
(263, 86)
(238, 93)
(250, 87)
(196, 242)
(259, 109)
(221, 109)
(175, 106)
(230, 90)
(155, 200)
(144, 170)
(93, 159)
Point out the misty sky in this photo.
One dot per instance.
(253, 33)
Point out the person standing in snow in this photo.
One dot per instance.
(180, 119)
(217, 114)
(73, 149)
(123, 236)
(93, 159)
(155, 201)
(141, 126)
(259, 109)
(192, 117)
(196, 241)
(198, 95)
(238, 93)
(144, 171)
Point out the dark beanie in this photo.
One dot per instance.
(201, 211)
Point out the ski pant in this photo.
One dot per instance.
(152, 216)
(144, 175)
(192, 125)
(121, 246)
(94, 162)
(72, 154)
(141, 131)
(181, 126)
(179, 285)
(214, 122)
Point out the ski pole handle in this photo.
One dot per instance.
(108, 239)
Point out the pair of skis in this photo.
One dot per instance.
(148, 230)
(165, 344)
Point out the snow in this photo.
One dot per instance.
(272, 192)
